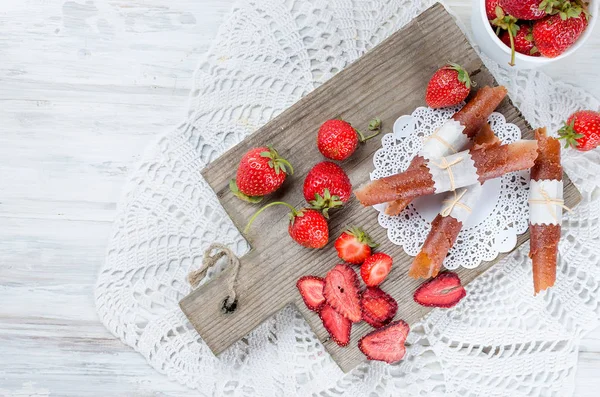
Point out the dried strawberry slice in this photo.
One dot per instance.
(311, 289)
(378, 308)
(443, 291)
(385, 344)
(338, 326)
(341, 292)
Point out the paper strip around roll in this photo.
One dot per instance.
(545, 202)
(452, 172)
(461, 203)
(448, 139)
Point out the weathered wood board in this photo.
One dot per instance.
(389, 81)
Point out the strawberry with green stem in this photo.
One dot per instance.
(556, 33)
(354, 245)
(261, 171)
(508, 23)
(327, 186)
(523, 41)
(338, 140)
(307, 227)
(449, 85)
(581, 130)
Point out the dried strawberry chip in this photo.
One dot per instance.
(378, 308)
(311, 290)
(385, 344)
(338, 326)
(443, 291)
(341, 292)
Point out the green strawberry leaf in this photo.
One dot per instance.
(236, 192)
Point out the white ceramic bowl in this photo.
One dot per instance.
(493, 47)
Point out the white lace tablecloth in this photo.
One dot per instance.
(499, 341)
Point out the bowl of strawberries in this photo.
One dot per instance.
(532, 33)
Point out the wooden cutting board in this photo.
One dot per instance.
(388, 82)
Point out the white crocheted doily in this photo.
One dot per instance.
(502, 210)
(499, 341)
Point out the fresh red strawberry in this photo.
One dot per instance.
(337, 139)
(582, 130)
(327, 186)
(523, 41)
(261, 171)
(375, 269)
(449, 86)
(443, 291)
(341, 292)
(378, 308)
(311, 290)
(308, 227)
(554, 34)
(385, 344)
(338, 326)
(354, 246)
(526, 9)
(490, 8)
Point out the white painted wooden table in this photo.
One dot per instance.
(84, 87)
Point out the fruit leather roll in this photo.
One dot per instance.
(445, 227)
(545, 211)
(455, 134)
(450, 173)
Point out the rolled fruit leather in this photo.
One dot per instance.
(488, 163)
(445, 227)
(472, 117)
(544, 237)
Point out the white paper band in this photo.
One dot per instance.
(460, 203)
(452, 172)
(448, 139)
(545, 202)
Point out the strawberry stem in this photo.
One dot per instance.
(374, 125)
(512, 47)
(276, 162)
(291, 207)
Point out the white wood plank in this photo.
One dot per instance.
(84, 87)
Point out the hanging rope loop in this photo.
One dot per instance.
(210, 260)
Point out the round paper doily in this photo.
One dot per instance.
(501, 212)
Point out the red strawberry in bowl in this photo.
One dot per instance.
(337, 139)
(582, 130)
(527, 9)
(490, 9)
(449, 85)
(555, 34)
(327, 186)
(523, 41)
(307, 227)
(261, 171)
(354, 246)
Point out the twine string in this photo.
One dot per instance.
(209, 261)
(455, 202)
(550, 203)
(440, 140)
(445, 165)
